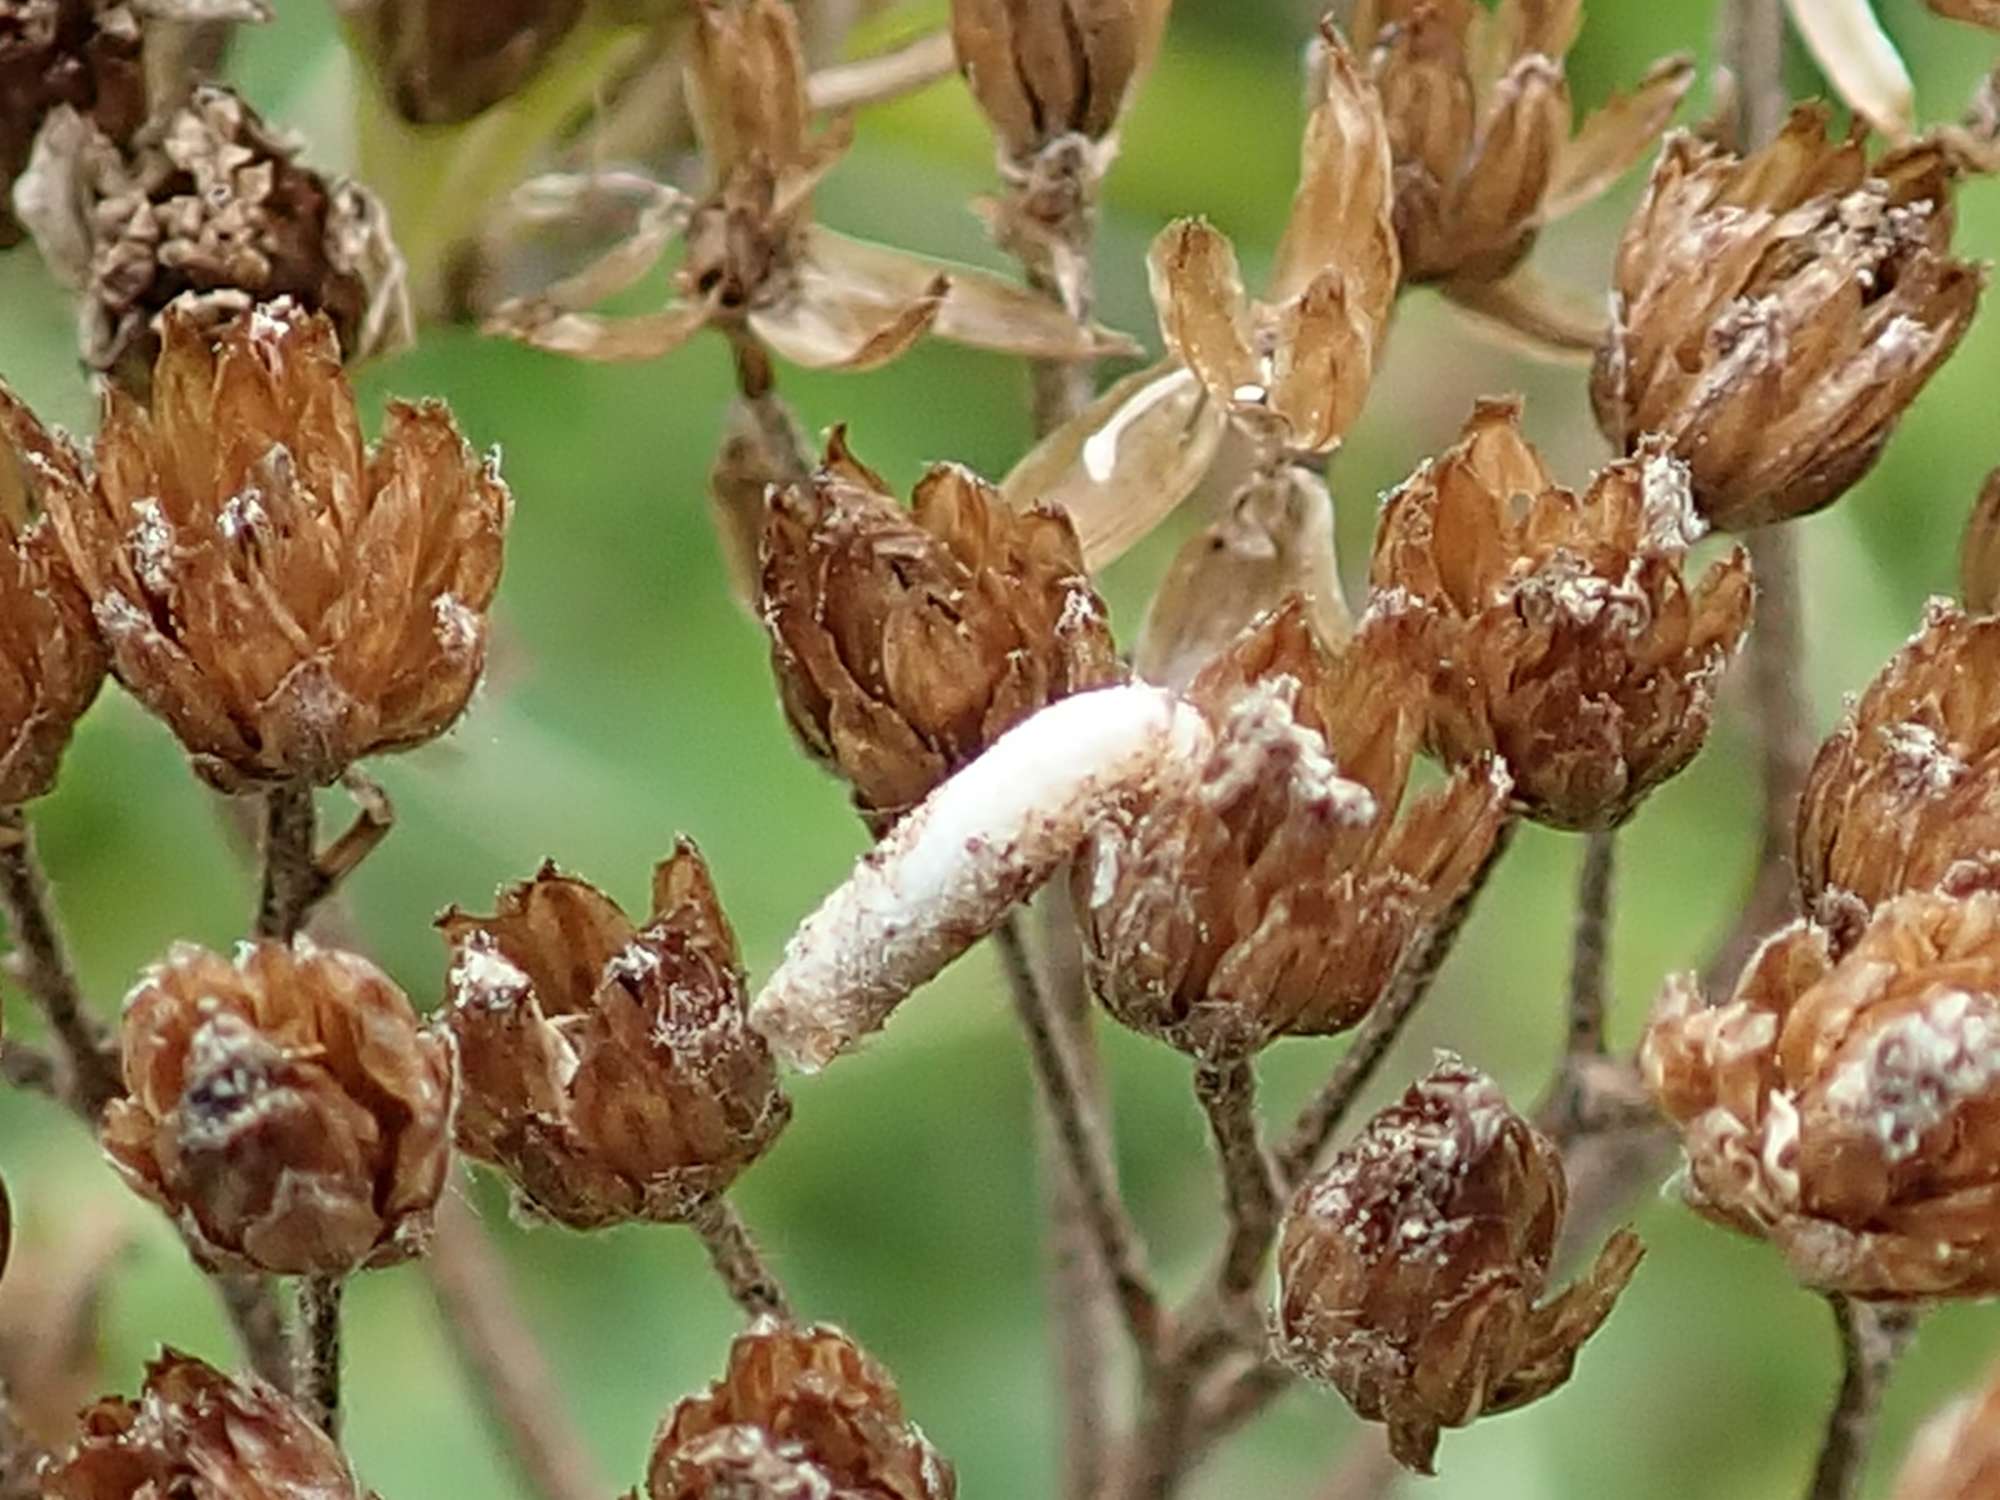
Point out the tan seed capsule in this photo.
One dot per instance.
(1849, 1111)
(1413, 1271)
(799, 1412)
(285, 1109)
(1044, 69)
(80, 53)
(609, 1070)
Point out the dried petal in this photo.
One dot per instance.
(1979, 551)
(1859, 59)
(1978, 12)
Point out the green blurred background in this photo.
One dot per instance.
(634, 702)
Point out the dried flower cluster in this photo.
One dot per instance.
(80, 53)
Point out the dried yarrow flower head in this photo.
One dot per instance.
(1849, 1111)
(1297, 363)
(212, 211)
(1956, 1454)
(285, 1109)
(1480, 123)
(82, 53)
(1275, 894)
(1774, 315)
(51, 660)
(609, 1070)
(756, 265)
(286, 598)
(1979, 551)
(194, 1431)
(1905, 794)
(906, 641)
(1558, 631)
(1412, 1271)
(799, 1412)
(1044, 69)
(443, 61)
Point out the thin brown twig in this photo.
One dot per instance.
(523, 1400)
(317, 1381)
(1592, 949)
(291, 880)
(1872, 1339)
(1228, 1094)
(749, 1279)
(252, 1304)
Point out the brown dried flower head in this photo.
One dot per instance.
(1275, 894)
(1905, 794)
(1956, 1454)
(1556, 631)
(51, 660)
(83, 53)
(196, 1432)
(1044, 69)
(1412, 1271)
(1480, 123)
(285, 1109)
(1774, 315)
(799, 1412)
(906, 642)
(443, 61)
(286, 598)
(1979, 551)
(1298, 363)
(1849, 1111)
(210, 210)
(609, 1071)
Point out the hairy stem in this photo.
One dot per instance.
(737, 1260)
(1872, 1338)
(317, 1383)
(291, 881)
(252, 1304)
(1591, 952)
(1228, 1094)
(523, 1400)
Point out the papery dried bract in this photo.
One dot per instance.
(1558, 631)
(799, 1412)
(287, 599)
(80, 53)
(1905, 794)
(1773, 316)
(1275, 893)
(906, 642)
(1956, 1454)
(285, 1110)
(1849, 1111)
(1413, 1271)
(609, 1070)
(195, 1431)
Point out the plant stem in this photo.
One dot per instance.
(252, 1304)
(1366, 1470)
(523, 1400)
(884, 75)
(1084, 1146)
(1228, 1094)
(41, 962)
(292, 881)
(1872, 1338)
(317, 1383)
(738, 1261)
(1592, 948)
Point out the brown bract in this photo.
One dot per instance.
(196, 1432)
(213, 211)
(1956, 1454)
(609, 1071)
(756, 265)
(1849, 1111)
(800, 1412)
(1275, 894)
(1480, 124)
(906, 642)
(1412, 1272)
(51, 659)
(443, 61)
(1774, 315)
(1978, 12)
(83, 53)
(1905, 794)
(285, 1109)
(1558, 631)
(1043, 69)
(1979, 551)
(288, 599)
(1297, 364)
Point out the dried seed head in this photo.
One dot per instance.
(287, 599)
(1774, 315)
(609, 1071)
(1849, 1111)
(1558, 632)
(211, 210)
(800, 1412)
(285, 1109)
(1479, 119)
(1044, 69)
(51, 660)
(1274, 894)
(442, 61)
(1956, 1454)
(83, 53)
(195, 1431)
(1905, 794)
(1979, 551)
(1412, 1271)
(906, 642)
